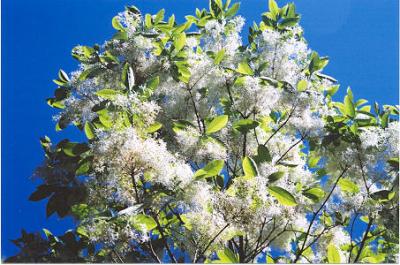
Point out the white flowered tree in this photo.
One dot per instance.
(202, 147)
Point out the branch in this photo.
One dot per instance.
(209, 243)
(363, 240)
(282, 125)
(316, 214)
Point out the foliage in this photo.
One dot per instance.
(201, 148)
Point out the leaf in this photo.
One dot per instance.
(116, 24)
(273, 7)
(302, 85)
(365, 219)
(233, 10)
(332, 90)
(245, 125)
(154, 127)
(244, 68)
(108, 93)
(333, 254)
(147, 21)
(283, 196)
(314, 194)
(89, 130)
(249, 167)
(348, 186)
(180, 41)
(213, 168)
(217, 124)
(219, 56)
(143, 222)
(226, 256)
(159, 16)
(263, 154)
(275, 176)
(349, 109)
(270, 260)
(153, 83)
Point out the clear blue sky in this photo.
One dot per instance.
(359, 36)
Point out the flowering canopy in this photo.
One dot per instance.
(204, 148)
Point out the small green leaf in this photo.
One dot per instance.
(314, 194)
(249, 167)
(180, 41)
(159, 16)
(226, 256)
(263, 154)
(154, 127)
(245, 125)
(108, 93)
(365, 219)
(349, 109)
(273, 7)
(213, 168)
(275, 176)
(116, 24)
(244, 68)
(333, 254)
(143, 222)
(89, 130)
(219, 56)
(348, 186)
(147, 21)
(332, 90)
(217, 124)
(233, 10)
(302, 85)
(283, 196)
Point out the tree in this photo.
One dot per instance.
(201, 148)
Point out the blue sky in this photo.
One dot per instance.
(359, 36)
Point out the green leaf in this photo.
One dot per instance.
(217, 124)
(108, 93)
(365, 219)
(179, 125)
(245, 125)
(302, 85)
(383, 195)
(105, 118)
(249, 167)
(273, 7)
(219, 56)
(349, 109)
(270, 260)
(244, 68)
(313, 160)
(159, 16)
(332, 90)
(333, 254)
(116, 24)
(153, 83)
(226, 256)
(147, 21)
(180, 41)
(213, 168)
(143, 222)
(314, 194)
(233, 10)
(275, 176)
(154, 127)
(283, 196)
(348, 186)
(263, 154)
(89, 130)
